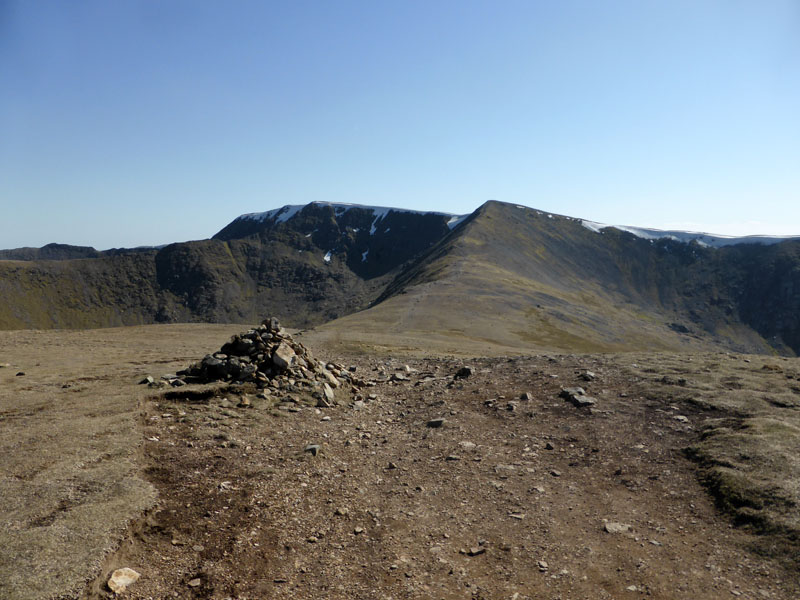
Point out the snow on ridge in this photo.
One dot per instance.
(455, 221)
(704, 239)
(283, 214)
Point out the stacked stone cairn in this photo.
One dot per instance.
(270, 358)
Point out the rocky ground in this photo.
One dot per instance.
(485, 486)
(423, 484)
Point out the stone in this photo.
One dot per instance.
(543, 566)
(283, 357)
(147, 380)
(328, 394)
(435, 423)
(527, 396)
(331, 378)
(196, 582)
(121, 579)
(464, 372)
(612, 527)
(577, 396)
(588, 376)
(476, 551)
(21, 374)
(312, 449)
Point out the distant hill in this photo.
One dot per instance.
(504, 274)
(50, 252)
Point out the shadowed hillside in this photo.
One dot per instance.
(323, 263)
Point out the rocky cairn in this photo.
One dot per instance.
(269, 357)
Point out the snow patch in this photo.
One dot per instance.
(704, 239)
(364, 255)
(327, 257)
(455, 221)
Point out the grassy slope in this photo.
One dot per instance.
(518, 278)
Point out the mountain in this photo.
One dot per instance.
(505, 275)
(520, 278)
(309, 264)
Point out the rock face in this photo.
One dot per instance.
(269, 357)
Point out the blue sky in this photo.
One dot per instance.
(133, 123)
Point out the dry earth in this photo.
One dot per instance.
(509, 498)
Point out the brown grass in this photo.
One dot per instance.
(70, 438)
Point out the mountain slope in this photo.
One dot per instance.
(518, 277)
(324, 262)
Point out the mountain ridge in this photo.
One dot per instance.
(518, 275)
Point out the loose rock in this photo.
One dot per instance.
(312, 449)
(464, 372)
(577, 396)
(121, 579)
(611, 527)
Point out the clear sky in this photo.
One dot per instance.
(126, 123)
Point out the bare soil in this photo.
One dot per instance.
(509, 498)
